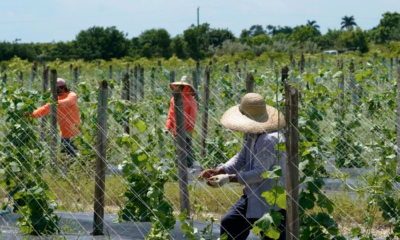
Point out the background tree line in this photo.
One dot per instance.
(198, 42)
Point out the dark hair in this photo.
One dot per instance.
(64, 87)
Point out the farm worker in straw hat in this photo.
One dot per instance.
(262, 124)
(67, 116)
(190, 114)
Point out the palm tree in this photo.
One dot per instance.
(348, 22)
(313, 24)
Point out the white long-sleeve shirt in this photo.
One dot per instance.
(254, 163)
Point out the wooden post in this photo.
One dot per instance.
(171, 76)
(132, 95)
(341, 88)
(285, 74)
(141, 84)
(43, 120)
(153, 69)
(198, 73)
(126, 96)
(53, 115)
(391, 69)
(302, 61)
(249, 83)
(4, 78)
(204, 120)
(159, 63)
(101, 158)
(33, 73)
(182, 154)
(353, 84)
(195, 85)
(292, 163)
(70, 70)
(119, 75)
(293, 62)
(75, 80)
(98, 64)
(244, 65)
(226, 68)
(135, 83)
(110, 74)
(235, 82)
(21, 77)
(398, 119)
(271, 62)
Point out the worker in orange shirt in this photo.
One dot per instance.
(67, 116)
(190, 114)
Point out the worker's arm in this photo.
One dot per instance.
(170, 120)
(42, 111)
(236, 163)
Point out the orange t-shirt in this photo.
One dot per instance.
(67, 114)
(190, 112)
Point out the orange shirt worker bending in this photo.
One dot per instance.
(67, 116)
(190, 114)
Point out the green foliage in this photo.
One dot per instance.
(195, 40)
(354, 38)
(99, 42)
(256, 30)
(155, 43)
(394, 47)
(21, 161)
(179, 47)
(329, 40)
(267, 225)
(260, 39)
(274, 30)
(302, 34)
(144, 197)
(216, 37)
(37, 211)
(388, 23)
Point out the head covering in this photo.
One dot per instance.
(60, 82)
(185, 81)
(253, 116)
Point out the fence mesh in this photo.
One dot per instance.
(347, 131)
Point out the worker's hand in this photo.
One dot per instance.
(218, 180)
(26, 114)
(208, 173)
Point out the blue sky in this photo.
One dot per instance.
(61, 20)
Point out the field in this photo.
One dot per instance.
(347, 131)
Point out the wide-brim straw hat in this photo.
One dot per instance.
(185, 81)
(253, 116)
